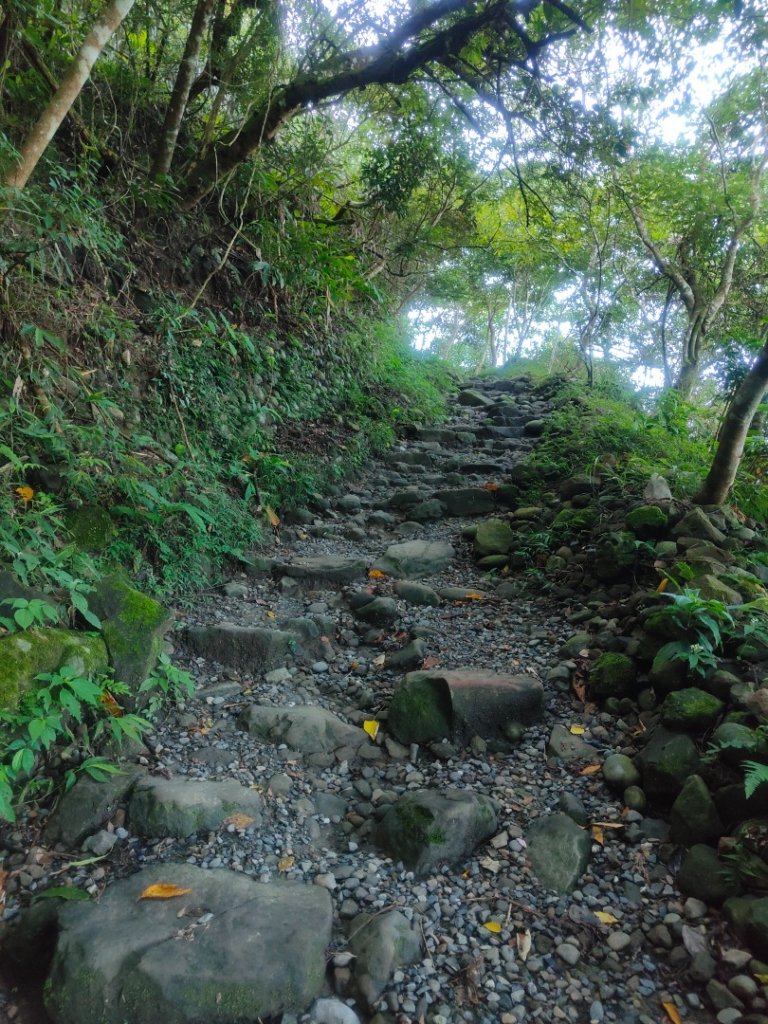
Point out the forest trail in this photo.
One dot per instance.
(532, 893)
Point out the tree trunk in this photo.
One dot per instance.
(687, 380)
(70, 88)
(733, 434)
(177, 104)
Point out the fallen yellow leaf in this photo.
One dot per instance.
(371, 726)
(660, 590)
(590, 769)
(26, 494)
(605, 918)
(285, 863)
(473, 596)
(239, 820)
(272, 516)
(762, 978)
(672, 1012)
(577, 730)
(493, 926)
(163, 891)
(598, 835)
(376, 574)
(270, 614)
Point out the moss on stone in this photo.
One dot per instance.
(571, 522)
(612, 675)
(133, 627)
(690, 709)
(420, 709)
(23, 656)
(646, 521)
(91, 527)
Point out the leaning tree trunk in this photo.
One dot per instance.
(185, 77)
(733, 433)
(71, 85)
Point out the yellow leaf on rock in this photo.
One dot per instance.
(473, 596)
(590, 769)
(375, 574)
(371, 726)
(239, 820)
(598, 835)
(577, 730)
(285, 863)
(672, 1012)
(493, 926)
(163, 891)
(270, 614)
(605, 918)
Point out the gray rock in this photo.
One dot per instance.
(474, 399)
(381, 943)
(697, 523)
(571, 805)
(493, 537)
(466, 501)
(415, 558)
(748, 917)
(567, 747)
(701, 875)
(619, 772)
(416, 593)
(323, 568)
(100, 844)
(427, 510)
(425, 829)
(657, 489)
(88, 805)
(408, 657)
(461, 704)
(311, 730)
(181, 807)
(260, 953)
(381, 611)
(332, 1011)
(252, 648)
(558, 850)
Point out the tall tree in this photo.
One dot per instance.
(161, 163)
(71, 85)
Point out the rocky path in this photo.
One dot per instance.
(385, 802)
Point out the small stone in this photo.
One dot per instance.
(743, 987)
(618, 941)
(326, 881)
(569, 953)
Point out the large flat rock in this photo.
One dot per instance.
(181, 807)
(252, 648)
(309, 729)
(323, 569)
(240, 951)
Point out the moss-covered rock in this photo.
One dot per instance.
(666, 761)
(647, 521)
(702, 875)
(23, 656)
(612, 675)
(615, 554)
(748, 917)
(714, 589)
(691, 710)
(91, 527)
(493, 537)
(133, 626)
(694, 817)
(420, 709)
(573, 522)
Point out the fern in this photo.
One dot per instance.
(755, 774)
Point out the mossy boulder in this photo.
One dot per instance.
(666, 761)
(748, 917)
(426, 829)
(614, 555)
(420, 709)
(691, 710)
(702, 875)
(493, 537)
(91, 527)
(612, 675)
(647, 521)
(133, 626)
(712, 588)
(23, 656)
(573, 522)
(694, 817)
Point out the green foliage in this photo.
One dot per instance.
(50, 738)
(167, 684)
(27, 614)
(755, 774)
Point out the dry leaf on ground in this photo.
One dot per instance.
(163, 891)
(239, 820)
